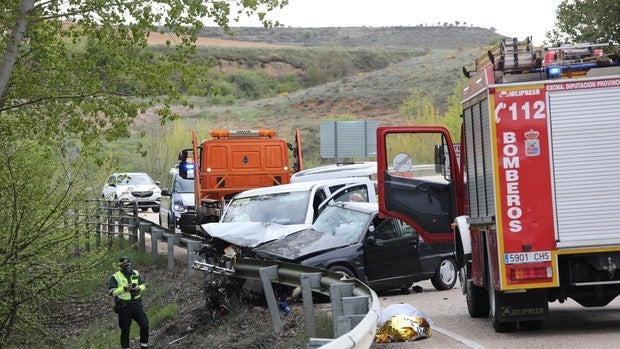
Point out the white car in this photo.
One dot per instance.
(259, 215)
(130, 187)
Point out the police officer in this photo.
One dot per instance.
(126, 286)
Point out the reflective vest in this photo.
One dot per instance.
(122, 281)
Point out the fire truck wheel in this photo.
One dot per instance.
(477, 300)
(445, 275)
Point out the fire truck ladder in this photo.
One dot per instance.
(516, 57)
(510, 56)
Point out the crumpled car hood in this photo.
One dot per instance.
(303, 243)
(250, 234)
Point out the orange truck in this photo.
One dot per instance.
(232, 161)
(528, 196)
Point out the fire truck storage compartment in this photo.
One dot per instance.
(481, 192)
(585, 125)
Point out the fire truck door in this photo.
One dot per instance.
(415, 180)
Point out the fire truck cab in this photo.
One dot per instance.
(528, 194)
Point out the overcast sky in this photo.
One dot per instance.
(520, 18)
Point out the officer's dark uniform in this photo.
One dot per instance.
(126, 286)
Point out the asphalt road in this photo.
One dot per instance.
(569, 326)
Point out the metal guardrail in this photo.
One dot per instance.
(355, 307)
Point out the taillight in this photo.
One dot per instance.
(530, 273)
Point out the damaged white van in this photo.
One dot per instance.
(256, 216)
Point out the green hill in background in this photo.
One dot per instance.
(322, 74)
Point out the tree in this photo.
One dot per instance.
(74, 63)
(74, 74)
(586, 21)
(37, 254)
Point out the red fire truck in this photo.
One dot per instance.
(530, 194)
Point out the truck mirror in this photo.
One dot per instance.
(440, 158)
(183, 155)
(186, 165)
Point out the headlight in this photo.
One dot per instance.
(178, 207)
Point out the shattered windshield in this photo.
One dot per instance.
(182, 185)
(346, 224)
(281, 208)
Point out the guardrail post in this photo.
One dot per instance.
(354, 310)
(145, 227)
(337, 292)
(192, 247)
(172, 241)
(135, 223)
(127, 222)
(110, 226)
(308, 282)
(98, 228)
(156, 234)
(266, 275)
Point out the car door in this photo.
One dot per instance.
(165, 210)
(389, 254)
(364, 191)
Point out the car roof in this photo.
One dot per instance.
(129, 173)
(366, 207)
(298, 186)
(358, 169)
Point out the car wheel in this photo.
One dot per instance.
(171, 222)
(144, 209)
(155, 209)
(445, 275)
(342, 270)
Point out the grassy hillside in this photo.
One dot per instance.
(341, 73)
(431, 37)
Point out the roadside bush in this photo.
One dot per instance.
(217, 85)
(222, 100)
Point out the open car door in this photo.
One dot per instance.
(417, 181)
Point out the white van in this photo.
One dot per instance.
(366, 169)
(259, 215)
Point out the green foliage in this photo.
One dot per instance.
(218, 86)
(452, 119)
(422, 112)
(420, 108)
(74, 75)
(253, 84)
(586, 21)
(41, 184)
(223, 100)
(226, 88)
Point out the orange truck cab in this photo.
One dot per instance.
(232, 161)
